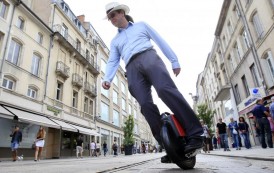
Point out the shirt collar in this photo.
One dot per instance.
(121, 29)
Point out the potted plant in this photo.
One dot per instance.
(128, 135)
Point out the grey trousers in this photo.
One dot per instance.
(147, 69)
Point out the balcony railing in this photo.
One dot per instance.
(77, 80)
(62, 69)
(68, 42)
(90, 89)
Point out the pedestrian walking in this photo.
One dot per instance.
(98, 146)
(271, 122)
(206, 136)
(233, 129)
(115, 148)
(144, 69)
(244, 132)
(105, 148)
(79, 146)
(222, 133)
(214, 142)
(16, 138)
(260, 114)
(92, 148)
(39, 143)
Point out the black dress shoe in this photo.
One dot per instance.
(194, 142)
(165, 159)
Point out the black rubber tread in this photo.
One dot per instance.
(172, 148)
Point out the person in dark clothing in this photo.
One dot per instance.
(79, 147)
(260, 114)
(222, 133)
(16, 138)
(105, 148)
(115, 148)
(244, 132)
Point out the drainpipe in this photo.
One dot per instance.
(6, 44)
(252, 45)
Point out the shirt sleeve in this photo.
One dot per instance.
(112, 64)
(162, 44)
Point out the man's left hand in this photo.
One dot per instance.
(176, 71)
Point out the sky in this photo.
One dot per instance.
(188, 26)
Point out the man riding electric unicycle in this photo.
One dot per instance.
(145, 69)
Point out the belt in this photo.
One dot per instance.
(137, 54)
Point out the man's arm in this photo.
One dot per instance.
(163, 45)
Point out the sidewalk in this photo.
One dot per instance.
(256, 152)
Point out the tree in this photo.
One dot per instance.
(205, 114)
(128, 131)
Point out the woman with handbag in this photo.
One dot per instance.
(244, 132)
(39, 142)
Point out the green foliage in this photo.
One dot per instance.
(128, 131)
(205, 114)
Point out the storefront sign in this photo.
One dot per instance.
(54, 110)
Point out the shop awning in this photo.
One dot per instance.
(65, 126)
(4, 113)
(34, 118)
(86, 130)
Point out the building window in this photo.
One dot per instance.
(78, 45)
(116, 118)
(123, 104)
(104, 112)
(8, 83)
(59, 91)
(20, 23)
(123, 88)
(244, 40)
(40, 38)
(257, 25)
(1, 39)
(254, 74)
(90, 107)
(270, 64)
(3, 9)
(35, 64)
(64, 31)
(115, 80)
(135, 114)
(232, 66)
(236, 52)
(115, 97)
(32, 92)
(129, 109)
(272, 3)
(103, 65)
(247, 93)
(237, 94)
(236, 12)
(14, 52)
(75, 99)
(86, 105)
(230, 28)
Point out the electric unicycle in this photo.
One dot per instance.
(174, 141)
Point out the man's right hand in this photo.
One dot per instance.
(106, 85)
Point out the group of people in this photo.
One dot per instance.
(16, 139)
(235, 130)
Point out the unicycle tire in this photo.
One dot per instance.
(173, 150)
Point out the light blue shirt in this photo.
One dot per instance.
(131, 40)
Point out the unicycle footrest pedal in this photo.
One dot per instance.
(192, 153)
